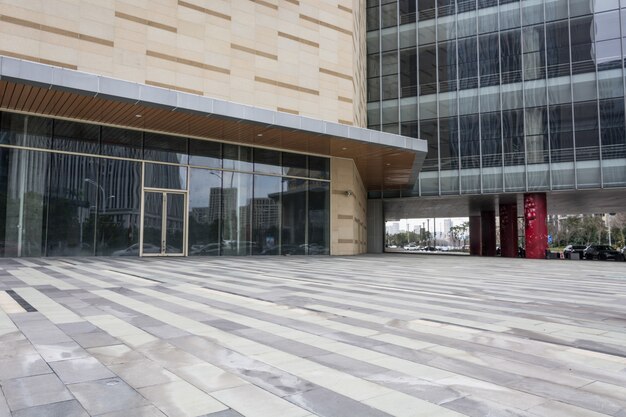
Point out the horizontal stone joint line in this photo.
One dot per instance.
(203, 10)
(286, 85)
(325, 24)
(146, 22)
(55, 30)
(253, 51)
(184, 61)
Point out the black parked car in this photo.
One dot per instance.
(569, 249)
(603, 252)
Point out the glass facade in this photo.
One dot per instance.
(511, 96)
(75, 189)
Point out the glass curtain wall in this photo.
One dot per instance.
(80, 193)
(510, 95)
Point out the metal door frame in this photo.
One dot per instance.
(164, 192)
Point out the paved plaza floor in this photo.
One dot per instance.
(387, 335)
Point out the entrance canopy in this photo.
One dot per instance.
(384, 160)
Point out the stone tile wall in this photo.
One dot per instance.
(301, 57)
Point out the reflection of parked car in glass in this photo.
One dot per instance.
(133, 250)
(411, 246)
(602, 252)
(284, 250)
(569, 249)
(208, 249)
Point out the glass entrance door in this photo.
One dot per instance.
(163, 223)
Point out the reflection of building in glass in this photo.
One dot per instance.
(221, 200)
(265, 212)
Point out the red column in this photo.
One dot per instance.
(488, 232)
(535, 212)
(475, 236)
(508, 230)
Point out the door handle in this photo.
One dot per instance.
(163, 247)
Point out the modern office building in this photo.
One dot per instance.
(515, 98)
(245, 127)
(191, 127)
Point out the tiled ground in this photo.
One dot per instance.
(388, 335)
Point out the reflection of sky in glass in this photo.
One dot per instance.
(607, 45)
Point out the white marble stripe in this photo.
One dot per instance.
(30, 276)
(345, 349)
(6, 324)
(122, 330)
(103, 271)
(54, 311)
(342, 383)
(9, 305)
(82, 277)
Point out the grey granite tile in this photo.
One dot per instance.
(34, 390)
(165, 331)
(323, 402)
(72, 329)
(80, 370)
(475, 407)
(143, 373)
(115, 354)
(70, 408)
(106, 395)
(22, 366)
(590, 401)
(61, 351)
(146, 411)
(16, 348)
(225, 413)
(4, 407)
(95, 339)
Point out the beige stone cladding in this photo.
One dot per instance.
(348, 209)
(304, 57)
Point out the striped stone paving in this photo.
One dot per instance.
(392, 335)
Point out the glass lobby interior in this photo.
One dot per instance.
(76, 189)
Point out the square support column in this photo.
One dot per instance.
(536, 229)
(488, 232)
(508, 230)
(475, 235)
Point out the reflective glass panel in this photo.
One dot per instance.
(237, 213)
(119, 208)
(295, 164)
(174, 223)
(152, 223)
(24, 177)
(163, 148)
(205, 153)
(165, 176)
(76, 137)
(267, 161)
(205, 208)
(22, 130)
(266, 215)
(237, 157)
(319, 218)
(122, 143)
(294, 216)
(319, 167)
(72, 205)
